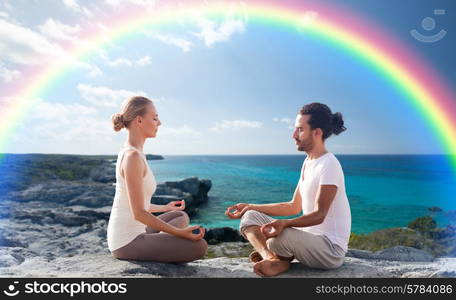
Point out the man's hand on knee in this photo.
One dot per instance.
(274, 228)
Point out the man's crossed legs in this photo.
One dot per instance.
(273, 256)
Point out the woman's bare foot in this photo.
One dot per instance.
(271, 267)
(255, 257)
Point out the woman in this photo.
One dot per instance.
(133, 232)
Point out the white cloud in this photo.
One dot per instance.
(183, 44)
(113, 2)
(89, 129)
(60, 112)
(143, 3)
(212, 33)
(119, 62)
(22, 45)
(4, 14)
(81, 129)
(6, 101)
(74, 5)
(59, 31)
(184, 130)
(92, 70)
(143, 61)
(104, 96)
(8, 75)
(287, 121)
(72, 122)
(236, 125)
(7, 5)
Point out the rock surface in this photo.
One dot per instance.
(192, 190)
(397, 253)
(223, 234)
(104, 265)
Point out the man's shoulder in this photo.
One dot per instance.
(330, 160)
(330, 157)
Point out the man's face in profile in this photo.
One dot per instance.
(302, 133)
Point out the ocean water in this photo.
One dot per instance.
(383, 190)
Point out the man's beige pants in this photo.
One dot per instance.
(315, 251)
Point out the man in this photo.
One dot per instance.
(318, 238)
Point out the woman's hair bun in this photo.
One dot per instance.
(117, 121)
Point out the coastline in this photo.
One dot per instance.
(55, 211)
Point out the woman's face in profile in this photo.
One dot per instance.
(150, 121)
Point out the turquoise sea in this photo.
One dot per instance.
(383, 190)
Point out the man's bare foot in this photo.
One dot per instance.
(255, 256)
(271, 267)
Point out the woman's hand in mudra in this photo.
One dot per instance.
(176, 205)
(193, 233)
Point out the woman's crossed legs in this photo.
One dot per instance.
(163, 247)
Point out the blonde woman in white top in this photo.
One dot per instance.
(133, 231)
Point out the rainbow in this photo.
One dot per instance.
(422, 87)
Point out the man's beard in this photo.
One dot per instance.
(305, 145)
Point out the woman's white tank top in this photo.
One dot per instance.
(122, 227)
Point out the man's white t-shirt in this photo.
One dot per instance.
(326, 170)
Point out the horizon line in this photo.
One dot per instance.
(233, 154)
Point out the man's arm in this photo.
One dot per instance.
(324, 199)
(290, 208)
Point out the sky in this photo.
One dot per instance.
(220, 87)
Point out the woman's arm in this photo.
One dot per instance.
(153, 208)
(173, 205)
(134, 169)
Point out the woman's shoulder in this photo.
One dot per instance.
(132, 155)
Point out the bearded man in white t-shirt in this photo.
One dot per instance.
(318, 238)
